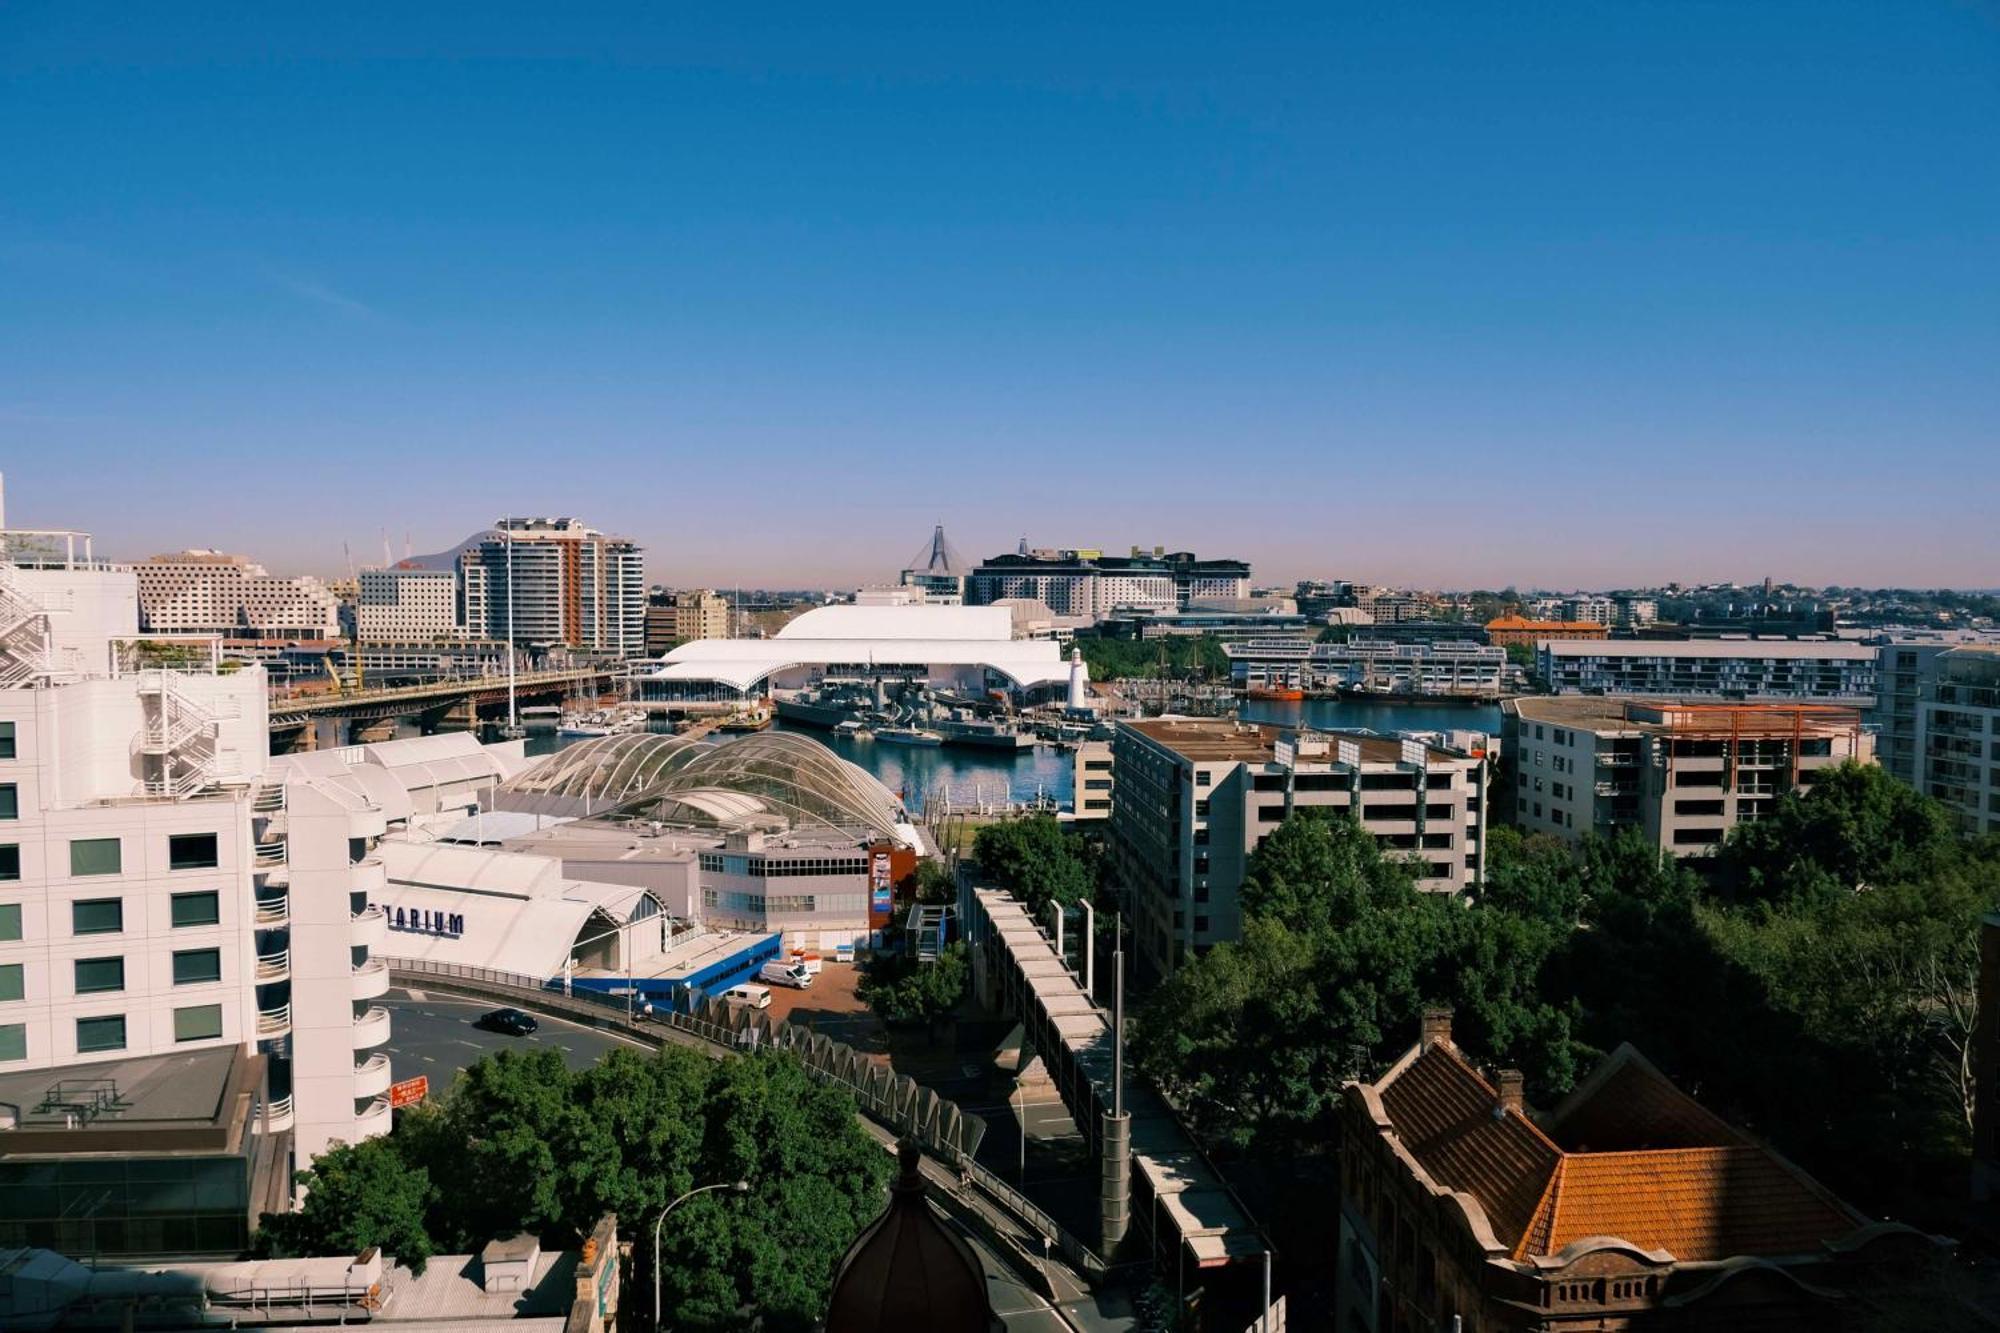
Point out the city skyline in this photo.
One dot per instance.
(1449, 297)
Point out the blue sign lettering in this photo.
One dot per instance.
(423, 921)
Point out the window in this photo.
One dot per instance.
(10, 801)
(1202, 777)
(197, 909)
(95, 856)
(10, 861)
(194, 966)
(99, 974)
(97, 916)
(6, 740)
(198, 1022)
(13, 1038)
(12, 987)
(101, 1034)
(192, 851)
(10, 921)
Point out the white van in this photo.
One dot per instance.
(808, 959)
(757, 997)
(779, 972)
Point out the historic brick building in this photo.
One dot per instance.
(1628, 1207)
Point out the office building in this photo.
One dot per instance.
(405, 605)
(164, 887)
(1682, 773)
(162, 1154)
(937, 571)
(1316, 598)
(1386, 606)
(209, 592)
(1092, 772)
(1958, 736)
(1504, 631)
(1195, 796)
(700, 613)
(1629, 1206)
(1085, 586)
(555, 583)
(1368, 666)
(1809, 670)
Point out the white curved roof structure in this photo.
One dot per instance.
(930, 636)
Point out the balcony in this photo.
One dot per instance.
(269, 855)
(276, 1022)
(274, 911)
(369, 928)
(373, 1121)
(369, 877)
(372, 1076)
(371, 1029)
(278, 1115)
(371, 979)
(274, 967)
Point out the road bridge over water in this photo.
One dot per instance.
(438, 705)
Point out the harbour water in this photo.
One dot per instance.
(974, 777)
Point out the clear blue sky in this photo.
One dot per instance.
(1571, 294)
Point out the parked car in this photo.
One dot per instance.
(512, 1022)
(780, 973)
(757, 997)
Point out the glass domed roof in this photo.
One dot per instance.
(704, 784)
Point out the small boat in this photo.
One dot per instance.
(852, 730)
(908, 736)
(1285, 694)
(749, 719)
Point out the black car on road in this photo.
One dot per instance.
(513, 1022)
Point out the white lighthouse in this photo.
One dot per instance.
(1079, 675)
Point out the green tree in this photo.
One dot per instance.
(1036, 861)
(935, 882)
(904, 989)
(1854, 827)
(358, 1195)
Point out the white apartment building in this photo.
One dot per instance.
(1092, 770)
(407, 605)
(1595, 609)
(1194, 798)
(1816, 670)
(210, 592)
(556, 582)
(162, 888)
(1682, 773)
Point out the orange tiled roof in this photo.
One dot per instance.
(1681, 1179)
(1544, 626)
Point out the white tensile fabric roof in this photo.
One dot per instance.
(984, 624)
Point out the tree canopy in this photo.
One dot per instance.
(1036, 861)
(521, 1143)
(902, 989)
(1813, 980)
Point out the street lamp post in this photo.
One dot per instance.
(738, 1186)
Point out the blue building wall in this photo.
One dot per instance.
(677, 992)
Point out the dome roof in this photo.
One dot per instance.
(908, 1270)
(703, 784)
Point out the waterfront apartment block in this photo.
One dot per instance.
(555, 583)
(1195, 796)
(1503, 631)
(1811, 670)
(159, 893)
(1449, 669)
(1682, 773)
(407, 605)
(209, 592)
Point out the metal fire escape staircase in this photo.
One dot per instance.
(27, 655)
(178, 740)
